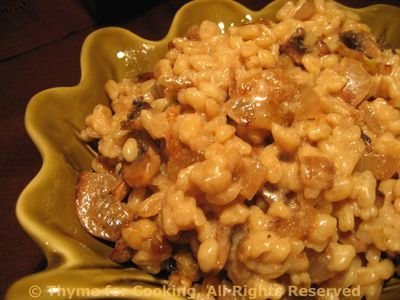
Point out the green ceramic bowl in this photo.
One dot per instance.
(78, 264)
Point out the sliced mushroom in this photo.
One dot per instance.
(121, 191)
(99, 213)
(138, 105)
(360, 41)
(295, 47)
(352, 40)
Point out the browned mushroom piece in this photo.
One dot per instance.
(294, 47)
(131, 123)
(121, 252)
(97, 210)
(121, 191)
(361, 41)
(142, 170)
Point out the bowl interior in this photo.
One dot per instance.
(54, 118)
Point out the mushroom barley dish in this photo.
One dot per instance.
(264, 155)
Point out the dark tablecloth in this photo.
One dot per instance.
(40, 44)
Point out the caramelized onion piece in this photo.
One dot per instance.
(305, 12)
(359, 83)
(179, 156)
(316, 171)
(254, 136)
(307, 105)
(97, 210)
(383, 166)
(370, 117)
(252, 176)
(142, 170)
(320, 48)
(271, 97)
(257, 114)
(271, 194)
(319, 269)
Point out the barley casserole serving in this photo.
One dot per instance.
(264, 156)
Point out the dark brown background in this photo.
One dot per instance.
(40, 44)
